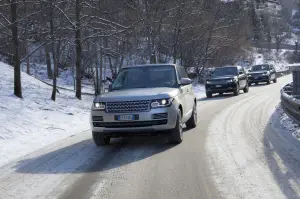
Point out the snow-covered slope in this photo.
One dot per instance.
(272, 57)
(35, 121)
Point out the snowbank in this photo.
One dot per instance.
(35, 121)
(289, 125)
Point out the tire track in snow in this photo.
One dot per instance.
(239, 152)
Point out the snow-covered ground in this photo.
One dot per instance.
(65, 78)
(35, 121)
(289, 125)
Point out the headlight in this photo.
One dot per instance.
(249, 75)
(230, 80)
(208, 82)
(161, 103)
(99, 105)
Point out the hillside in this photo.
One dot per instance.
(35, 121)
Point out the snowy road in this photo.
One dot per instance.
(237, 151)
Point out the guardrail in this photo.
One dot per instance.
(290, 103)
(283, 73)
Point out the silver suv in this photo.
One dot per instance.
(145, 100)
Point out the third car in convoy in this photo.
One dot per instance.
(262, 73)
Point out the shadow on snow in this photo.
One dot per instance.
(85, 157)
(282, 152)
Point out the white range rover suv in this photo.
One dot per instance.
(145, 100)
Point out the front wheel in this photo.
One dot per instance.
(176, 136)
(100, 140)
(192, 122)
(269, 81)
(237, 91)
(275, 80)
(246, 89)
(209, 94)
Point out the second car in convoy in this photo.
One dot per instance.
(227, 79)
(262, 73)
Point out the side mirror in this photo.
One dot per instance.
(185, 81)
(241, 73)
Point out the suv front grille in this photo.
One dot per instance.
(219, 81)
(128, 106)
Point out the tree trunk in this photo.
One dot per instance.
(101, 69)
(277, 46)
(16, 56)
(78, 50)
(53, 96)
(97, 78)
(48, 61)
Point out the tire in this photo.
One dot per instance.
(237, 91)
(100, 140)
(246, 89)
(208, 94)
(176, 135)
(249, 84)
(269, 81)
(275, 80)
(192, 122)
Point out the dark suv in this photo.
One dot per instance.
(262, 73)
(227, 79)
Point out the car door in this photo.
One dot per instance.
(273, 72)
(242, 77)
(190, 91)
(184, 91)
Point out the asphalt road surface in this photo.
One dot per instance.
(236, 151)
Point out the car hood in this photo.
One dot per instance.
(138, 94)
(227, 77)
(258, 72)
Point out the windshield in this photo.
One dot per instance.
(225, 71)
(260, 67)
(145, 77)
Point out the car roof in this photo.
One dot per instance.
(228, 66)
(148, 65)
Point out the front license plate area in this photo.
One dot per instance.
(126, 117)
(218, 86)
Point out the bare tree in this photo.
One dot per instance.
(16, 56)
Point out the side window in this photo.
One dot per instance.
(241, 70)
(179, 73)
(183, 72)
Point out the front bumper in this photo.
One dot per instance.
(258, 79)
(155, 120)
(217, 88)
